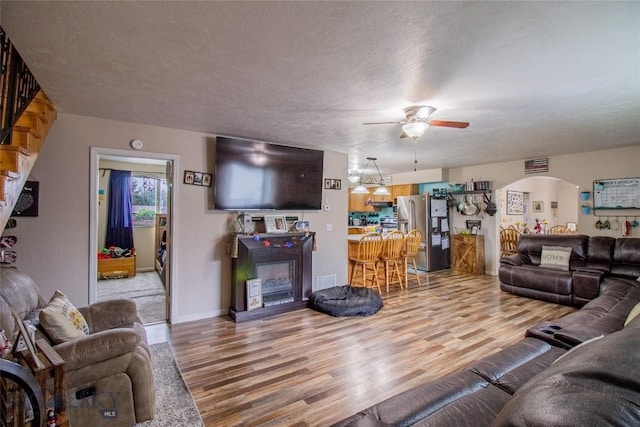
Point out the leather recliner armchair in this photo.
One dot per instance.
(108, 372)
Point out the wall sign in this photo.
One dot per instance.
(536, 166)
(27, 204)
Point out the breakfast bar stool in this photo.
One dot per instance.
(411, 248)
(366, 257)
(391, 257)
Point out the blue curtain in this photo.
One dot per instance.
(120, 215)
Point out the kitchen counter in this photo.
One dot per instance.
(354, 237)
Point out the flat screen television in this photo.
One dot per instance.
(253, 175)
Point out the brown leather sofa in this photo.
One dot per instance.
(582, 369)
(108, 372)
(595, 262)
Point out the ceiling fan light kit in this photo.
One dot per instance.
(415, 130)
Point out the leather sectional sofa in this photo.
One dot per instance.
(109, 379)
(594, 261)
(581, 369)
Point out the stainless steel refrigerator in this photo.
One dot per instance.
(431, 216)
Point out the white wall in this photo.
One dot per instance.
(54, 247)
(580, 169)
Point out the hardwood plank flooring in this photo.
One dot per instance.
(306, 368)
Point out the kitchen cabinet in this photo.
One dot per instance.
(403, 190)
(380, 198)
(357, 203)
(468, 254)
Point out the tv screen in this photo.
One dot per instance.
(253, 175)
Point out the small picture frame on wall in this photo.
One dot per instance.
(275, 223)
(198, 178)
(515, 203)
(254, 294)
(332, 184)
(538, 206)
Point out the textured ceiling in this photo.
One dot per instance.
(533, 78)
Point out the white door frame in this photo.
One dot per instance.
(96, 152)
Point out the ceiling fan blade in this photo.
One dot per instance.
(382, 123)
(448, 124)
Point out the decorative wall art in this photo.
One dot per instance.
(538, 207)
(198, 178)
(333, 184)
(515, 203)
(27, 204)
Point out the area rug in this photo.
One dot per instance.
(146, 289)
(174, 404)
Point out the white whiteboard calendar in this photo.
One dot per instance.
(622, 193)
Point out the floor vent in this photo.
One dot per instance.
(324, 282)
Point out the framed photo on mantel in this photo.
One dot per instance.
(275, 223)
(254, 294)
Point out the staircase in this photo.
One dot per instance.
(17, 158)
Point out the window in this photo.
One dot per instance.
(149, 195)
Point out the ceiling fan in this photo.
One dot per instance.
(417, 121)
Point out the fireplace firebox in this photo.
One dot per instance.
(283, 264)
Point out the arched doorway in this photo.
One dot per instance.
(544, 198)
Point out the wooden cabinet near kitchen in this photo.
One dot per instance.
(357, 202)
(467, 252)
(380, 198)
(403, 190)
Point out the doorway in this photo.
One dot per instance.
(551, 201)
(149, 275)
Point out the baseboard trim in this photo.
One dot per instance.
(200, 316)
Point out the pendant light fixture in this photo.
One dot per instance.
(381, 190)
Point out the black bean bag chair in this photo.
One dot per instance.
(346, 301)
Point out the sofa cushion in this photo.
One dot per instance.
(598, 384)
(556, 257)
(600, 252)
(454, 399)
(510, 368)
(61, 320)
(626, 258)
(531, 245)
(632, 315)
(541, 279)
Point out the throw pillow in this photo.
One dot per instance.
(634, 312)
(582, 344)
(556, 257)
(61, 320)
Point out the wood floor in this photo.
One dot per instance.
(306, 368)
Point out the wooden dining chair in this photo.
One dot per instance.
(558, 229)
(367, 257)
(509, 241)
(391, 258)
(411, 247)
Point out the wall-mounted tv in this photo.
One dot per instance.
(253, 175)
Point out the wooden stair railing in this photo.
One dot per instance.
(18, 158)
